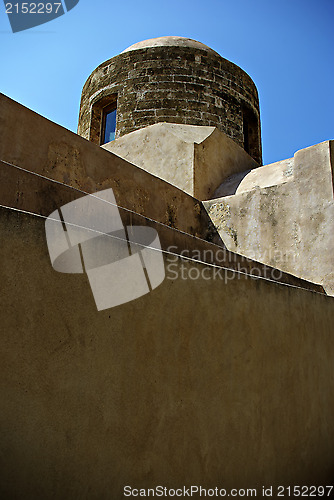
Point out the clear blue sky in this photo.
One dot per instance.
(286, 46)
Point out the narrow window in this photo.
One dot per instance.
(246, 133)
(108, 124)
(103, 120)
(252, 144)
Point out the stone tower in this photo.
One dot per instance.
(174, 80)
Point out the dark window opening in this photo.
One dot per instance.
(108, 124)
(246, 136)
(251, 134)
(103, 120)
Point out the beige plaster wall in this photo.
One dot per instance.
(222, 380)
(199, 382)
(193, 158)
(38, 145)
(41, 147)
(283, 215)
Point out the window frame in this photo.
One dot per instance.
(104, 112)
(96, 132)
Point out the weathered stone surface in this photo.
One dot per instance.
(168, 77)
(283, 214)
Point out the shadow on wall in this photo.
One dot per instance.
(230, 185)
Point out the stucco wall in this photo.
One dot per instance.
(283, 215)
(198, 382)
(222, 380)
(195, 159)
(38, 145)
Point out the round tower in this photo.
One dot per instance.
(170, 79)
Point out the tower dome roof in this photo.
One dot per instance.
(170, 41)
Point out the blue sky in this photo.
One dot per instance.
(286, 46)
